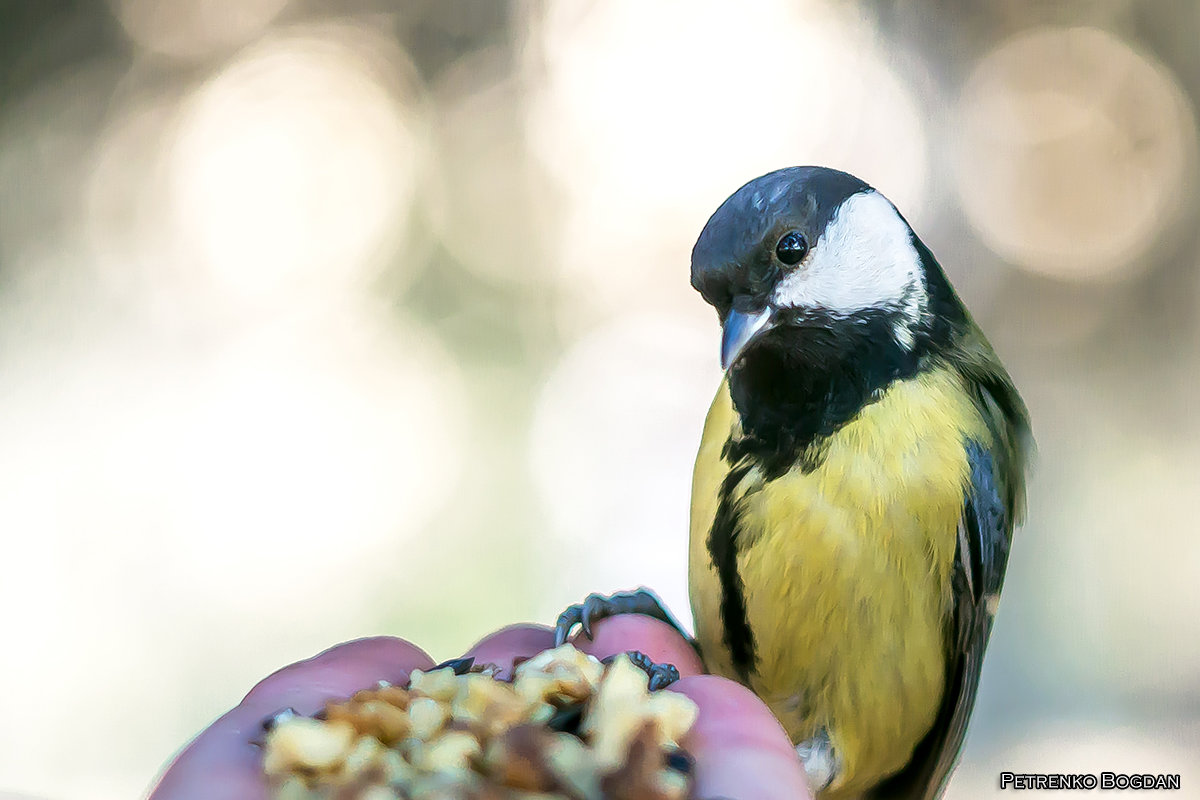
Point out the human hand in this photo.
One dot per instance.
(740, 750)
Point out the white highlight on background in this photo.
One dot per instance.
(614, 437)
(649, 115)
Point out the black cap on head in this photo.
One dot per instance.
(734, 254)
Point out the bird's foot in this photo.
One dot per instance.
(461, 666)
(597, 607)
(820, 762)
(271, 722)
(659, 676)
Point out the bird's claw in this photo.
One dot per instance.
(270, 723)
(597, 607)
(659, 676)
(576, 614)
(283, 715)
(461, 666)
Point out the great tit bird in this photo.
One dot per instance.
(858, 479)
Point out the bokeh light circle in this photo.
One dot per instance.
(649, 115)
(1074, 152)
(614, 436)
(1132, 566)
(295, 166)
(195, 28)
(162, 494)
(495, 208)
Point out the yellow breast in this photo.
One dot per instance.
(847, 572)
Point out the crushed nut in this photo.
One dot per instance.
(427, 717)
(308, 744)
(562, 675)
(565, 728)
(623, 706)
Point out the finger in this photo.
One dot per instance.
(509, 644)
(222, 763)
(339, 671)
(661, 642)
(740, 749)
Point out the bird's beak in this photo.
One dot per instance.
(740, 330)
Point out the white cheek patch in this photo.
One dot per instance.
(865, 259)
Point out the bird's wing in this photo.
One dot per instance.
(991, 506)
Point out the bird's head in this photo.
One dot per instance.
(810, 249)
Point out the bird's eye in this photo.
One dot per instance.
(791, 248)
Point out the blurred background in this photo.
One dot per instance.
(327, 318)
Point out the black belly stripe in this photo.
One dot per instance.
(723, 548)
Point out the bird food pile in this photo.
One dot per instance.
(566, 726)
